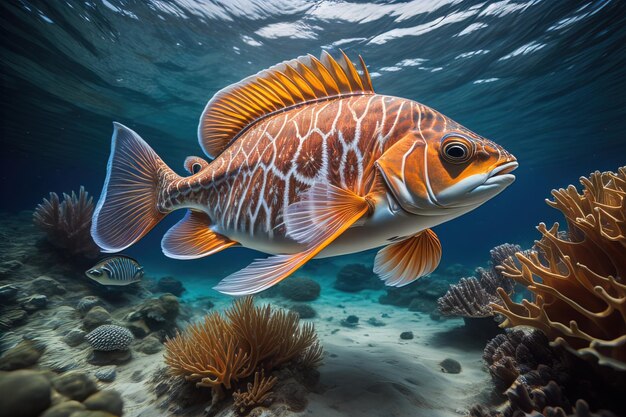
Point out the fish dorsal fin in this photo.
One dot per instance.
(234, 109)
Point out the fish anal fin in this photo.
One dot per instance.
(323, 214)
(192, 238)
(403, 262)
(290, 83)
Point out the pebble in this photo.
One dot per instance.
(450, 366)
(406, 335)
(74, 337)
(29, 393)
(107, 400)
(8, 293)
(47, 286)
(375, 322)
(97, 316)
(113, 357)
(64, 409)
(23, 355)
(106, 373)
(35, 302)
(150, 345)
(75, 385)
(350, 321)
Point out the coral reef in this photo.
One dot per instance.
(357, 277)
(580, 293)
(472, 296)
(468, 298)
(67, 223)
(419, 296)
(258, 393)
(109, 337)
(300, 289)
(223, 349)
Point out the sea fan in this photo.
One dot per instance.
(67, 223)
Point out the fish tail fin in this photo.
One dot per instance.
(129, 204)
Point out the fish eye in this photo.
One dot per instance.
(456, 150)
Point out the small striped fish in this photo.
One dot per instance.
(116, 270)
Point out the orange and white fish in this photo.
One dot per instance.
(307, 162)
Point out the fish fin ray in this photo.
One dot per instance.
(327, 209)
(192, 238)
(287, 84)
(127, 208)
(403, 262)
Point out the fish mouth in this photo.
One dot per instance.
(501, 175)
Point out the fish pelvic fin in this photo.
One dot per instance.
(129, 203)
(322, 215)
(403, 262)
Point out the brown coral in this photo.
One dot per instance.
(580, 293)
(472, 296)
(67, 223)
(224, 349)
(259, 393)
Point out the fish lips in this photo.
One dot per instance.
(478, 188)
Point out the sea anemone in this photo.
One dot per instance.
(67, 223)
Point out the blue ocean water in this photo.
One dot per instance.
(545, 79)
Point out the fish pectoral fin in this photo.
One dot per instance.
(323, 214)
(403, 262)
(192, 238)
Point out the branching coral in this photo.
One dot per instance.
(259, 393)
(579, 287)
(472, 297)
(466, 299)
(67, 223)
(224, 349)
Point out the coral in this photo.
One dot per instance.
(304, 311)
(472, 296)
(466, 299)
(109, 337)
(300, 289)
(258, 394)
(544, 401)
(357, 277)
(222, 349)
(67, 223)
(515, 355)
(580, 293)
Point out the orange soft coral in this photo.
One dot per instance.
(221, 350)
(580, 293)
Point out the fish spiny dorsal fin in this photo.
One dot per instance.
(302, 80)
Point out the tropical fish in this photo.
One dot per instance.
(307, 162)
(116, 270)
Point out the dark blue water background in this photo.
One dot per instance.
(545, 79)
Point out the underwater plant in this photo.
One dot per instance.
(67, 223)
(472, 296)
(222, 349)
(577, 277)
(259, 393)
